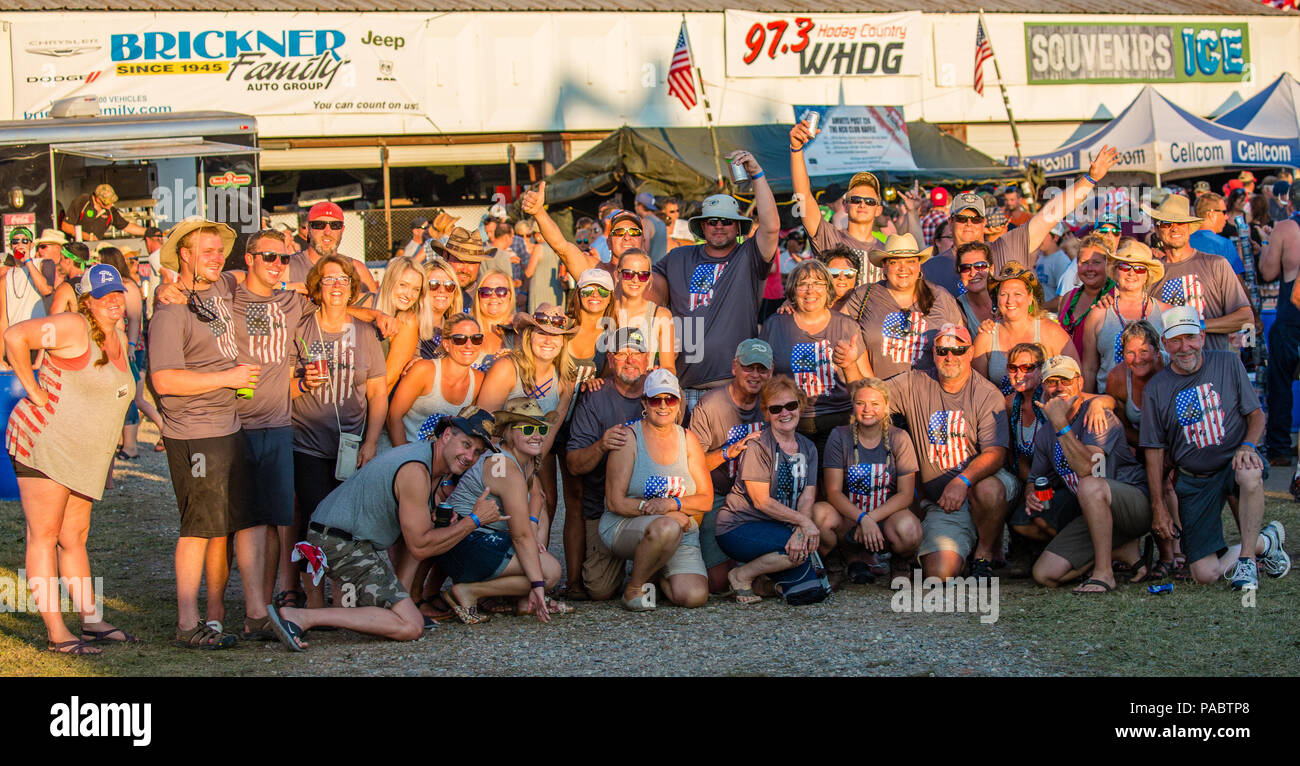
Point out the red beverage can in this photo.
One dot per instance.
(1043, 489)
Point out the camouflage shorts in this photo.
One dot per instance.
(359, 567)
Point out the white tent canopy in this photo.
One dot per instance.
(1153, 135)
(1274, 111)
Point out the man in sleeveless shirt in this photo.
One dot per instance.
(387, 500)
(1281, 260)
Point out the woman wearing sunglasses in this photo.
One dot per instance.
(1094, 286)
(632, 308)
(506, 557)
(870, 476)
(657, 491)
(844, 275)
(770, 522)
(436, 388)
(494, 308)
(1021, 319)
(1024, 369)
(592, 304)
(973, 262)
(405, 293)
(1134, 270)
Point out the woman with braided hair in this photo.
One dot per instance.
(61, 439)
(870, 474)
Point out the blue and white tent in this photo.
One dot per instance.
(1274, 111)
(1153, 135)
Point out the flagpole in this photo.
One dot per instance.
(708, 112)
(1006, 101)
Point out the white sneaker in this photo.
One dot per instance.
(215, 625)
(1245, 575)
(1274, 561)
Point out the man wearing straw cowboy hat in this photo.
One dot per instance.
(465, 253)
(1200, 280)
(191, 353)
(716, 287)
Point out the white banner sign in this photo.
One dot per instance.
(822, 44)
(263, 64)
(851, 138)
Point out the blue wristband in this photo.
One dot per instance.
(534, 519)
(301, 387)
(678, 500)
(796, 151)
(1089, 178)
(757, 176)
(964, 480)
(861, 515)
(1064, 431)
(1251, 445)
(474, 518)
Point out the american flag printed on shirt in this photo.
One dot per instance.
(903, 336)
(735, 435)
(430, 424)
(664, 486)
(341, 357)
(1063, 469)
(1200, 415)
(221, 326)
(681, 80)
(1184, 291)
(868, 484)
(983, 52)
(703, 279)
(945, 437)
(814, 372)
(268, 332)
(1119, 347)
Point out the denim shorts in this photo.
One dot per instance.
(756, 539)
(482, 556)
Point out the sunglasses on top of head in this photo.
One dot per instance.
(558, 321)
(320, 225)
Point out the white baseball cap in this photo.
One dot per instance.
(661, 381)
(1181, 320)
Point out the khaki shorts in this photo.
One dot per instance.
(622, 534)
(602, 571)
(1130, 511)
(947, 531)
(361, 568)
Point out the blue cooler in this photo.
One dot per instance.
(11, 392)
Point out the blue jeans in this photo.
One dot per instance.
(482, 556)
(756, 539)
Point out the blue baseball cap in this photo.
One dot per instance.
(100, 280)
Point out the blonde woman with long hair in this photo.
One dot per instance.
(402, 295)
(494, 308)
(870, 470)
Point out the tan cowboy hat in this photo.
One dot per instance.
(899, 246)
(464, 246)
(1174, 209)
(1133, 251)
(443, 220)
(169, 256)
(1013, 270)
(51, 237)
(524, 319)
(521, 409)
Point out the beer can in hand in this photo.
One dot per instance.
(738, 174)
(1043, 489)
(810, 118)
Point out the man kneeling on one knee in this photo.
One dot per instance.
(1099, 500)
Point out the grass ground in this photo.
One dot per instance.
(1196, 630)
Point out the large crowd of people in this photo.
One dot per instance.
(957, 382)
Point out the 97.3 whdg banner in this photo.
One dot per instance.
(822, 44)
(265, 64)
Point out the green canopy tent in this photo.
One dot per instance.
(679, 161)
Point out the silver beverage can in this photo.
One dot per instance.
(811, 118)
(738, 174)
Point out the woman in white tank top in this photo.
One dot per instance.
(435, 388)
(632, 309)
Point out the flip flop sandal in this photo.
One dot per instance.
(75, 647)
(745, 596)
(203, 637)
(121, 455)
(468, 615)
(288, 632)
(102, 636)
(1086, 583)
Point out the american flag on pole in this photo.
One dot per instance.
(903, 336)
(983, 52)
(814, 372)
(664, 486)
(945, 435)
(1200, 415)
(1184, 291)
(1063, 469)
(703, 279)
(868, 484)
(268, 332)
(681, 73)
(735, 435)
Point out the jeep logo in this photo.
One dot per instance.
(387, 41)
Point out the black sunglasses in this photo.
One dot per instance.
(719, 221)
(269, 256)
(488, 292)
(20, 241)
(204, 314)
(976, 266)
(459, 340)
(856, 200)
(777, 409)
(968, 218)
(319, 225)
(946, 350)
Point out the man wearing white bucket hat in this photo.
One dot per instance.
(716, 288)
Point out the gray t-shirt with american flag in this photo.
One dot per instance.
(948, 430)
(870, 474)
(1207, 283)
(353, 357)
(807, 357)
(898, 339)
(266, 329)
(1200, 418)
(717, 422)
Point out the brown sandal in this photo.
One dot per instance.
(203, 637)
(470, 615)
(75, 647)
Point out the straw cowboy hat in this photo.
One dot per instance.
(1013, 270)
(1174, 209)
(524, 319)
(522, 409)
(51, 237)
(1135, 252)
(170, 256)
(899, 246)
(463, 246)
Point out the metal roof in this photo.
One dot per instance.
(1147, 7)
